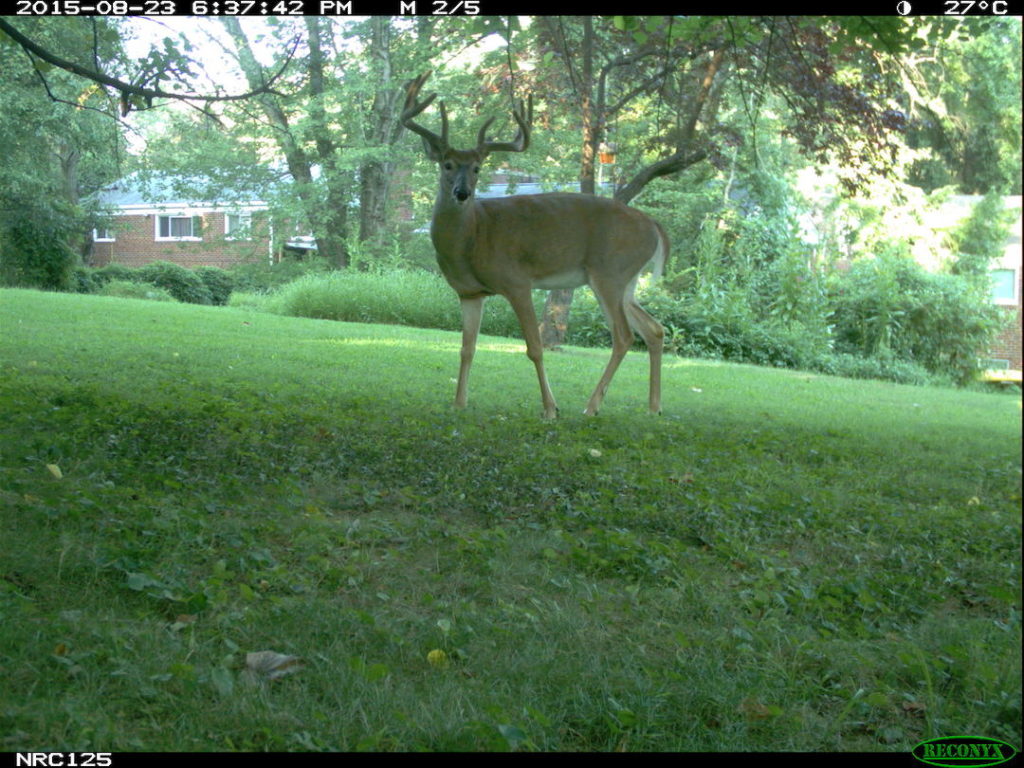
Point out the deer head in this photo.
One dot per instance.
(460, 169)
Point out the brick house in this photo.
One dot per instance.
(158, 219)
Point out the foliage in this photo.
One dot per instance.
(110, 272)
(416, 298)
(261, 277)
(981, 239)
(891, 306)
(963, 92)
(183, 284)
(218, 282)
(55, 153)
(134, 289)
(33, 246)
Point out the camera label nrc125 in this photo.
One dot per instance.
(63, 760)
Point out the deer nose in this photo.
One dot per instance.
(461, 194)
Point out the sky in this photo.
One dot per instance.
(202, 33)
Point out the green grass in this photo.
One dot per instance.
(782, 561)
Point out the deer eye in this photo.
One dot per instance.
(476, 169)
(448, 166)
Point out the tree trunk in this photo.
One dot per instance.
(334, 215)
(382, 129)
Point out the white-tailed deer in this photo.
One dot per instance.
(508, 246)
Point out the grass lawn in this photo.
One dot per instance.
(782, 561)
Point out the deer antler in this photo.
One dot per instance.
(431, 140)
(524, 117)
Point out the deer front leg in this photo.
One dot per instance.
(522, 303)
(472, 314)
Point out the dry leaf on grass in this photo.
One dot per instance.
(271, 665)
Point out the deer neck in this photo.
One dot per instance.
(453, 228)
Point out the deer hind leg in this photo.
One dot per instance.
(472, 314)
(653, 334)
(622, 339)
(522, 303)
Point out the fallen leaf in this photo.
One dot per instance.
(55, 471)
(914, 707)
(271, 665)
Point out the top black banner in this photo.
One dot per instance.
(481, 8)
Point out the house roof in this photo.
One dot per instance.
(500, 189)
(147, 190)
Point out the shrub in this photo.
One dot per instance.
(83, 280)
(129, 289)
(33, 249)
(218, 282)
(890, 306)
(183, 284)
(114, 272)
(261, 277)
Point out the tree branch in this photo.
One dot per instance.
(128, 89)
(672, 164)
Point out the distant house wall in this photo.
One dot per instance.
(136, 240)
(1008, 344)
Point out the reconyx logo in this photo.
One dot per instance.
(963, 752)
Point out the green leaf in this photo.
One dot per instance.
(223, 681)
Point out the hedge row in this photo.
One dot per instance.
(205, 285)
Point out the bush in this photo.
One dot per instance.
(218, 282)
(83, 280)
(183, 284)
(891, 307)
(34, 251)
(114, 272)
(129, 289)
(261, 277)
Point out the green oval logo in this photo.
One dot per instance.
(963, 751)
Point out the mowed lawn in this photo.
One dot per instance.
(781, 561)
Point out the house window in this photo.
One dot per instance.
(179, 228)
(1004, 286)
(103, 235)
(238, 226)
